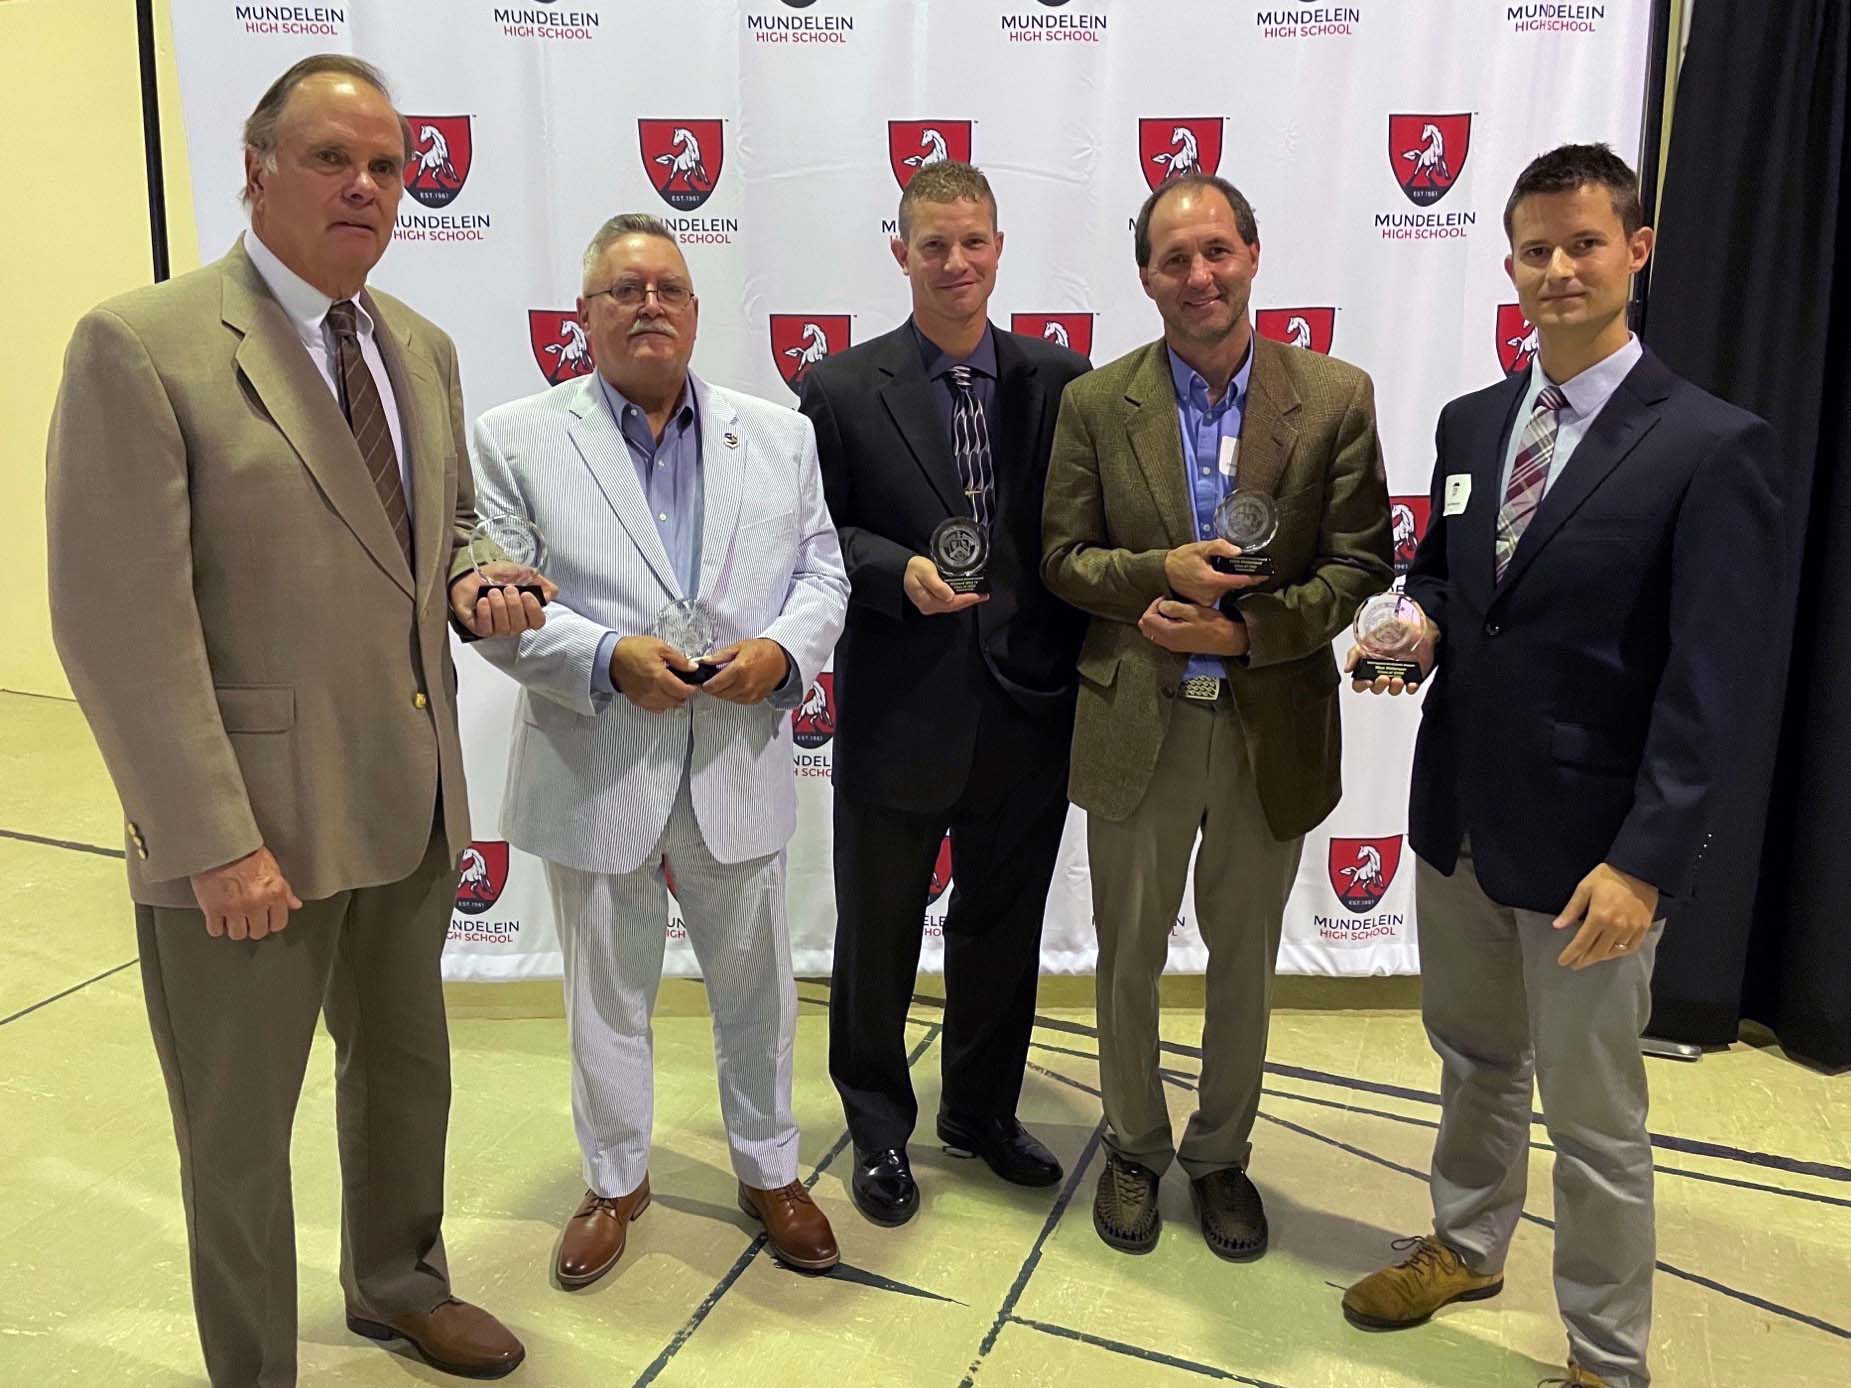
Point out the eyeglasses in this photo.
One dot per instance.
(631, 294)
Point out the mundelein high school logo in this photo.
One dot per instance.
(485, 874)
(1516, 339)
(813, 722)
(683, 159)
(1310, 328)
(440, 158)
(1073, 331)
(1361, 869)
(559, 346)
(1171, 146)
(1427, 154)
(800, 340)
(912, 144)
(941, 871)
(1408, 520)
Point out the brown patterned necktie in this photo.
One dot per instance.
(366, 416)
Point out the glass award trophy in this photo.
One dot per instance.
(1388, 631)
(961, 551)
(1247, 520)
(507, 551)
(688, 625)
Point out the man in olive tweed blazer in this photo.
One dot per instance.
(1208, 701)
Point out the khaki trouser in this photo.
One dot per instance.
(233, 1022)
(1202, 785)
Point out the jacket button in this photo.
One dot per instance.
(1493, 629)
(419, 700)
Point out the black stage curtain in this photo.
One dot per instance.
(1750, 297)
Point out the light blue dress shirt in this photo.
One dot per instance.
(1204, 426)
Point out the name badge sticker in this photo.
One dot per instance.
(1458, 492)
(1230, 456)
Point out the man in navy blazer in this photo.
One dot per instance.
(1603, 543)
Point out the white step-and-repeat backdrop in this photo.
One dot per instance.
(1376, 140)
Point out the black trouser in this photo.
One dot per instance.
(1005, 838)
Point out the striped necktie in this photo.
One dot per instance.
(970, 445)
(366, 416)
(1529, 474)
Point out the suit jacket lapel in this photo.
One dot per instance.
(1484, 452)
(600, 443)
(414, 385)
(1627, 418)
(1267, 432)
(271, 357)
(1018, 408)
(1156, 439)
(909, 401)
(723, 473)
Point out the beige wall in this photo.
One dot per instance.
(76, 232)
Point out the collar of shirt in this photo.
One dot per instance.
(1192, 387)
(937, 361)
(1589, 392)
(633, 423)
(306, 306)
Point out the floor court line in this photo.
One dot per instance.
(725, 1284)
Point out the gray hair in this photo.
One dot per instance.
(622, 225)
(260, 125)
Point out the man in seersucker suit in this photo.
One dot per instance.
(651, 485)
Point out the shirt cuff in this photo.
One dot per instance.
(601, 665)
(790, 690)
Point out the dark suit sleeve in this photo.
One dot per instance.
(876, 565)
(1725, 565)
(1355, 552)
(1428, 577)
(119, 524)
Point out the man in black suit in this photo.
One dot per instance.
(1603, 544)
(955, 709)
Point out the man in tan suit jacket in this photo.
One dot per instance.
(258, 499)
(1208, 700)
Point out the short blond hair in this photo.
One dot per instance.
(949, 180)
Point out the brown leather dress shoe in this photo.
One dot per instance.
(595, 1235)
(454, 1337)
(798, 1231)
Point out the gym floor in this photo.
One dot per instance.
(991, 1285)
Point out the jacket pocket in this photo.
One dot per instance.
(256, 708)
(1099, 667)
(1596, 749)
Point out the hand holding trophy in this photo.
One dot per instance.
(690, 627)
(507, 551)
(1248, 520)
(961, 551)
(1389, 630)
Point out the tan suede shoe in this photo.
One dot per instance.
(454, 1337)
(798, 1231)
(595, 1235)
(1407, 1293)
(1578, 1377)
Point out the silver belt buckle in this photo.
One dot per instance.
(1204, 689)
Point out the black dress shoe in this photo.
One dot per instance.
(884, 1188)
(1005, 1146)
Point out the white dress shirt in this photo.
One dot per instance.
(1588, 394)
(307, 309)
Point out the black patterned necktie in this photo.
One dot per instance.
(970, 446)
(366, 416)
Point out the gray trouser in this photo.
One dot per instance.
(1500, 1010)
(1202, 785)
(612, 931)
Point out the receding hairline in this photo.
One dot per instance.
(596, 256)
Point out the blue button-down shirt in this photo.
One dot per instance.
(1204, 426)
(669, 471)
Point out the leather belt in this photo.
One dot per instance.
(1204, 689)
